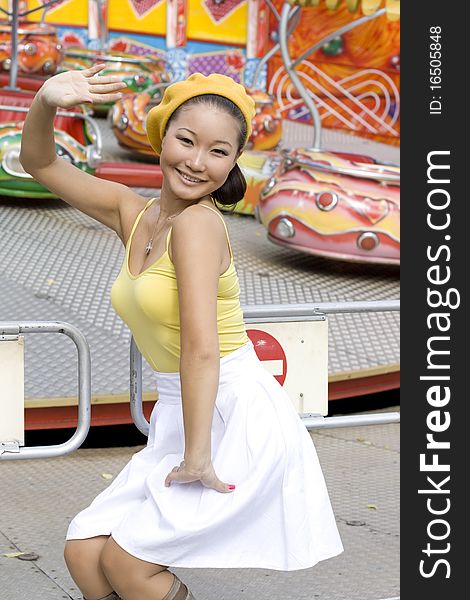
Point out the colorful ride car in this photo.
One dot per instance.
(77, 140)
(334, 205)
(258, 167)
(267, 123)
(39, 49)
(127, 120)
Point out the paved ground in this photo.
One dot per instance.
(361, 467)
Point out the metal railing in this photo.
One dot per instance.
(252, 314)
(9, 330)
(278, 313)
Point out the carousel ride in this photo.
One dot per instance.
(29, 53)
(307, 200)
(335, 205)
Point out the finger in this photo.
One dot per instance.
(106, 97)
(93, 70)
(107, 88)
(106, 79)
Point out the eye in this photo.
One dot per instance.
(220, 151)
(185, 140)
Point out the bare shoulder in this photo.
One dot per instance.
(198, 222)
(197, 215)
(198, 231)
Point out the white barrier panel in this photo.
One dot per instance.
(296, 353)
(12, 390)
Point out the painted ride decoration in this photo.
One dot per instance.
(127, 120)
(354, 77)
(39, 49)
(334, 205)
(258, 166)
(267, 122)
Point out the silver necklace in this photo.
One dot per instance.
(149, 246)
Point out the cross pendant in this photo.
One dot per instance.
(148, 248)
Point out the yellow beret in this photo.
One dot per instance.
(196, 85)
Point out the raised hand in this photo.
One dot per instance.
(75, 87)
(207, 477)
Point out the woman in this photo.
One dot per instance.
(229, 476)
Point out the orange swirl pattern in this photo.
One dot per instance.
(348, 62)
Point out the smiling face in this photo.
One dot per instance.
(199, 150)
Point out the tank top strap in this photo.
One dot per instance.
(136, 222)
(225, 226)
(167, 243)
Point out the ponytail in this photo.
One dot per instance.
(233, 190)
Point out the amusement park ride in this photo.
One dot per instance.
(341, 206)
(338, 205)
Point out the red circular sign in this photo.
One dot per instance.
(268, 348)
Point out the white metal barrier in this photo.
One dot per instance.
(278, 313)
(14, 404)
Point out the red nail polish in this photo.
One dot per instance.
(231, 487)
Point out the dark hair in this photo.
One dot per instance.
(234, 188)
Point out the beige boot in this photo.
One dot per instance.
(179, 591)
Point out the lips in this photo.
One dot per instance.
(188, 178)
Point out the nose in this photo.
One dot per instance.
(195, 161)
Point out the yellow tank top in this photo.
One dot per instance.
(148, 304)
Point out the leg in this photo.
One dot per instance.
(135, 579)
(83, 562)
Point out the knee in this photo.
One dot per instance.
(80, 553)
(73, 553)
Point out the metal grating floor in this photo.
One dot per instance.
(59, 264)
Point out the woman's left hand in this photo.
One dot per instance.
(207, 477)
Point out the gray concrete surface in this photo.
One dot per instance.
(361, 467)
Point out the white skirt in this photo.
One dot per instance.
(278, 517)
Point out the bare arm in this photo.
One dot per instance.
(197, 266)
(98, 198)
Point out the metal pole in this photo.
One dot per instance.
(320, 422)
(136, 390)
(14, 48)
(278, 312)
(283, 35)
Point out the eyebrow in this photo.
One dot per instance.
(215, 142)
